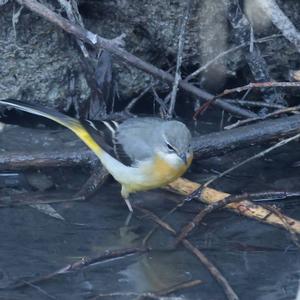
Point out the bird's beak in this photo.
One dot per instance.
(183, 156)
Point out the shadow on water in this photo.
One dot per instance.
(259, 260)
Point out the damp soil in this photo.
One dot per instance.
(259, 261)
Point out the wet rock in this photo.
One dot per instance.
(38, 61)
(39, 181)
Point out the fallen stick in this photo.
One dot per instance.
(205, 146)
(245, 208)
(222, 142)
(44, 159)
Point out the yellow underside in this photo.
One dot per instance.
(161, 173)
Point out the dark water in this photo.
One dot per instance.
(259, 261)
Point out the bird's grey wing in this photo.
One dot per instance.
(130, 141)
(105, 134)
(136, 138)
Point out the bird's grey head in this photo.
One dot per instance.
(177, 140)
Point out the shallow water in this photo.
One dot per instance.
(259, 260)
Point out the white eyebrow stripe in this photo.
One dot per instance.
(175, 149)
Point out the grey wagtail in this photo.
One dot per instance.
(141, 153)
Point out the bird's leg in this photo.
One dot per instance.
(128, 204)
(125, 195)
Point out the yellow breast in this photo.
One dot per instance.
(163, 172)
(160, 173)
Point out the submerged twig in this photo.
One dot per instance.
(153, 230)
(179, 286)
(229, 292)
(137, 296)
(159, 295)
(80, 264)
(43, 292)
(37, 198)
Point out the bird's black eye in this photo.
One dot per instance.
(170, 147)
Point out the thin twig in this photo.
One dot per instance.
(187, 229)
(71, 9)
(162, 105)
(95, 181)
(132, 103)
(252, 85)
(256, 103)
(260, 118)
(153, 230)
(179, 59)
(224, 53)
(239, 89)
(287, 225)
(39, 289)
(229, 292)
(258, 155)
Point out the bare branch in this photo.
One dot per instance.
(281, 21)
(113, 47)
